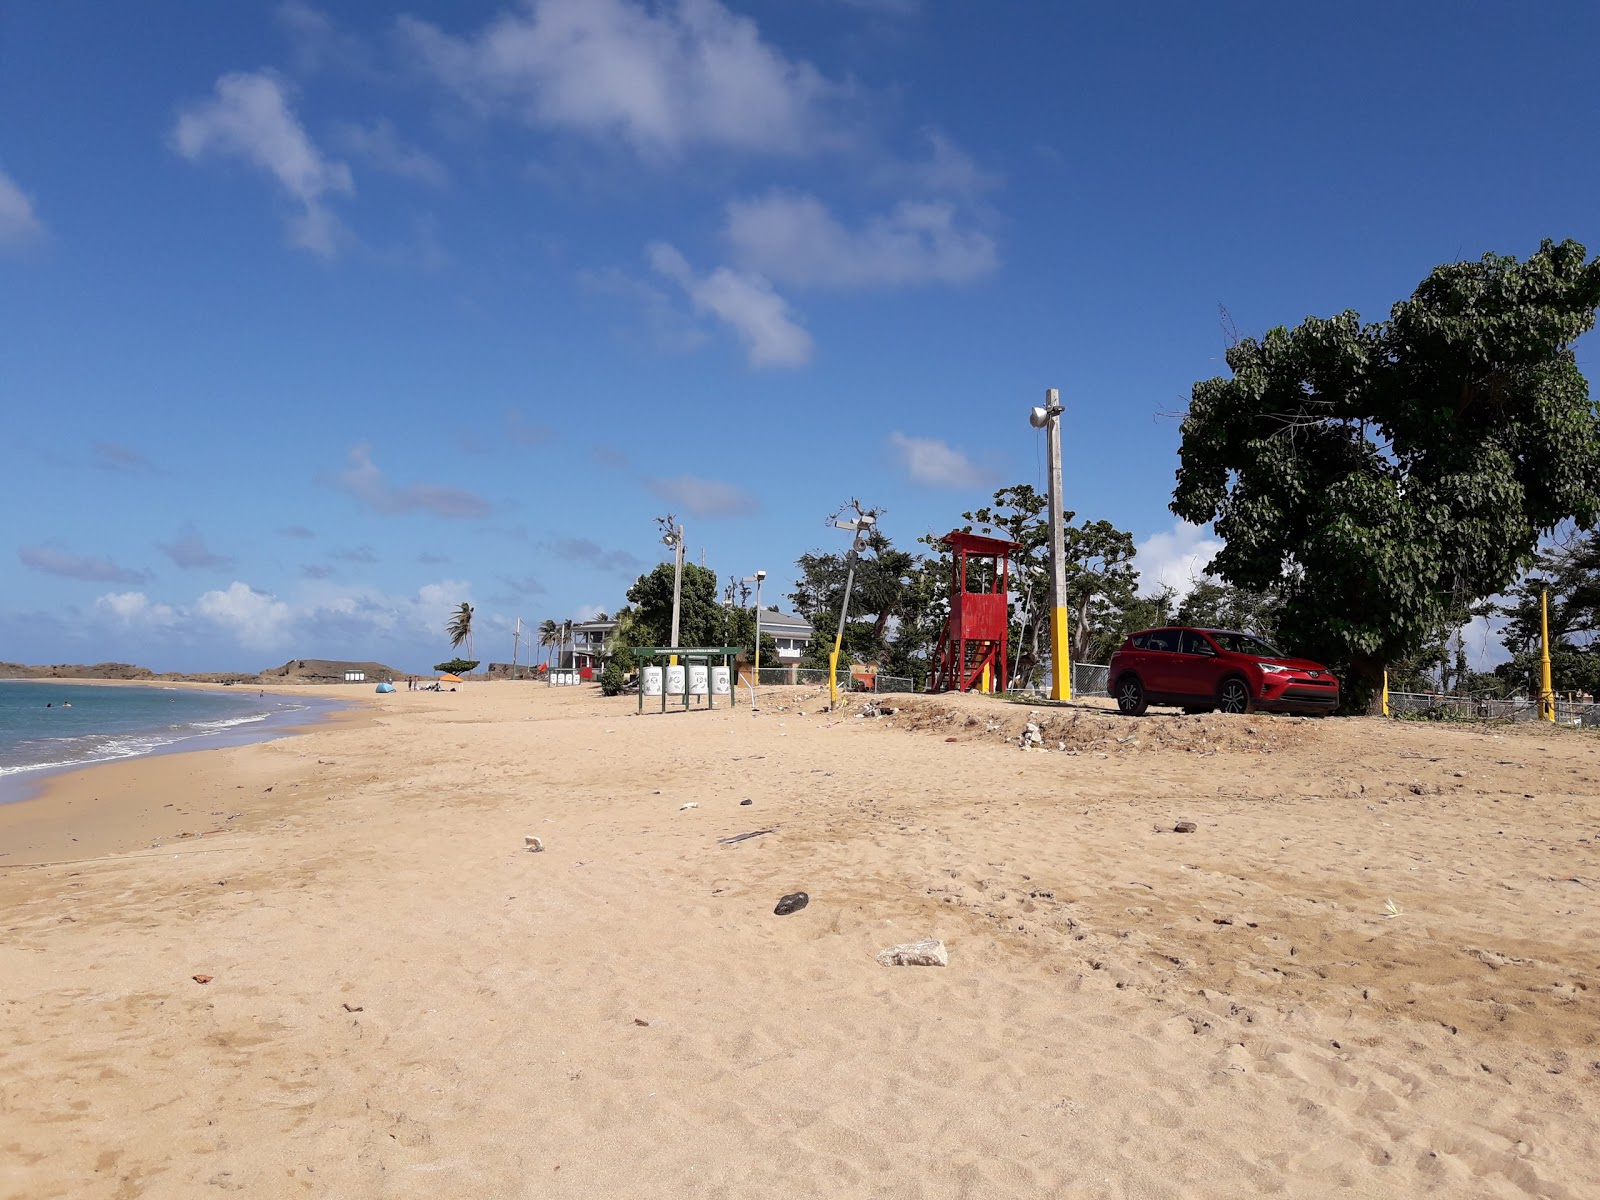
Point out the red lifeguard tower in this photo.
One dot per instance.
(974, 638)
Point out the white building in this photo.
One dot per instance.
(792, 633)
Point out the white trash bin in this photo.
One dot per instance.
(698, 682)
(651, 681)
(675, 680)
(721, 685)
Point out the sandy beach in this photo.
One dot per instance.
(1370, 970)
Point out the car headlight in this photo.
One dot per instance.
(1269, 669)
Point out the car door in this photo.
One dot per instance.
(1198, 665)
(1156, 663)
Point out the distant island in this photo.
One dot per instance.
(296, 670)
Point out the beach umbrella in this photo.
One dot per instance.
(449, 678)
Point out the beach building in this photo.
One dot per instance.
(584, 650)
(792, 633)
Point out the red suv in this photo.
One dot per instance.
(1201, 669)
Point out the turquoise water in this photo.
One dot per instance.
(47, 727)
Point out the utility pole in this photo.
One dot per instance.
(672, 535)
(1048, 418)
(744, 594)
(1547, 695)
(862, 526)
(516, 645)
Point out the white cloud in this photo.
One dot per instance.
(256, 620)
(704, 497)
(319, 44)
(666, 327)
(249, 118)
(746, 303)
(795, 239)
(109, 456)
(363, 480)
(190, 550)
(135, 608)
(19, 225)
(1175, 558)
(663, 79)
(53, 560)
(930, 461)
(350, 619)
(381, 148)
(948, 170)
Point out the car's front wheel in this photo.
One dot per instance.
(1130, 696)
(1234, 697)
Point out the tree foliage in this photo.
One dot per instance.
(1380, 476)
(701, 619)
(457, 666)
(1214, 603)
(460, 627)
(879, 595)
(1571, 574)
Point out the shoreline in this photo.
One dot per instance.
(118, 805)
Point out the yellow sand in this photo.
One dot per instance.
(404, 1003)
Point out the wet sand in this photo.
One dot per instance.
(403, 1002)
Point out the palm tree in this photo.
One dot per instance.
(549, 634)
(460, 628)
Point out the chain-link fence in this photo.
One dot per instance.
(1482, 708)
(1088, 679)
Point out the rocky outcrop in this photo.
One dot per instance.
(105, 670)
(328, 670)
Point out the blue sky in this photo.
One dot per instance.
(316, 320)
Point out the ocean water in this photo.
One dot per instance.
(47, 727)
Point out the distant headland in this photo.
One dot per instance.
(296, 670)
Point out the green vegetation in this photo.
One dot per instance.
(1380, 479)
(457, 666)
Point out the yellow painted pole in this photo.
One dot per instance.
(1547, 696)
(984, 685)
(1386, 693)
(1060, 646)
(1060, 656)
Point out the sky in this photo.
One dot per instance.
(319, 319)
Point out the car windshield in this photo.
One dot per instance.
(1243, 643)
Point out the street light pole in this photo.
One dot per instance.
(862, 526)
(1048, 418)
(756, 579)
(672, 535)
(761, 577)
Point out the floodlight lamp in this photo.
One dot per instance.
(760, 575)
(1039, 417)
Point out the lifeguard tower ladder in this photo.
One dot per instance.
(972, 648)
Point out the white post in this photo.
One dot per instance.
(760, 578)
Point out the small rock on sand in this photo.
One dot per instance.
(1184, 827)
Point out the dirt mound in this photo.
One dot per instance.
(1078, 730)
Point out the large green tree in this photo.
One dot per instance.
(701, 620)
(1380, 476)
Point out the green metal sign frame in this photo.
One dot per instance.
(691, 655)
